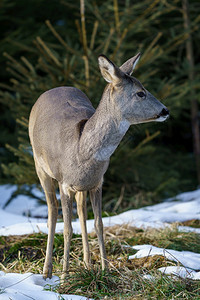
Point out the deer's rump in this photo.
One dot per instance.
(56, 120)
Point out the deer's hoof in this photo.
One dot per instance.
(47, 271)
(63, 276)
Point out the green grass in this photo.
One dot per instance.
(129, 284)
(168, 238)
(125, 278)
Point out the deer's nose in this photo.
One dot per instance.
(164, 112)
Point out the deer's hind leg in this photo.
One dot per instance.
(82, 213)
(96, 200)
(49, 189)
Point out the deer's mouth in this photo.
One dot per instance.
(161, 117)
(164, 115)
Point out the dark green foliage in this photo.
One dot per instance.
(153, 160)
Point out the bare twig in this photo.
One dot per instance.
(84, 34)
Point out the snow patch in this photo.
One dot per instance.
(183, 207)
(26, 286)
(155, 216)
(187, 258)
(180, 272)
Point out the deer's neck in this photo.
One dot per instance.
(103, 131)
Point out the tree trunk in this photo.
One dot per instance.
(191, 76)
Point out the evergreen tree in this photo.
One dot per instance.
(152, 160)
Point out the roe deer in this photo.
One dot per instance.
(72, 143)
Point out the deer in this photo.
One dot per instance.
(72, 144)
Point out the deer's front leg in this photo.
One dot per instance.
(82, 213)
(96, 200)
(66, 202)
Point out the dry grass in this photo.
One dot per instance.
(192, 223)
(125, 278)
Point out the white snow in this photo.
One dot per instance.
(189, 260)
(21, 204)
(30, 286)
(14, 221)
(156, 216)
(180, 272)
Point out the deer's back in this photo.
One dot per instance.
(55, 125)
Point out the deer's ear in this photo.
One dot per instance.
(109, 71)
(130, 64)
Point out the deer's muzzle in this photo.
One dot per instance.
(163, 115)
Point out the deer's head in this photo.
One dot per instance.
(129, 97)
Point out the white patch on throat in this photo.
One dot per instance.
(105, 153)
(124, 126)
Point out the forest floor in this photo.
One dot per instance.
(145, 262)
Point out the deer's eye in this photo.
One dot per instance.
(141, 94)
